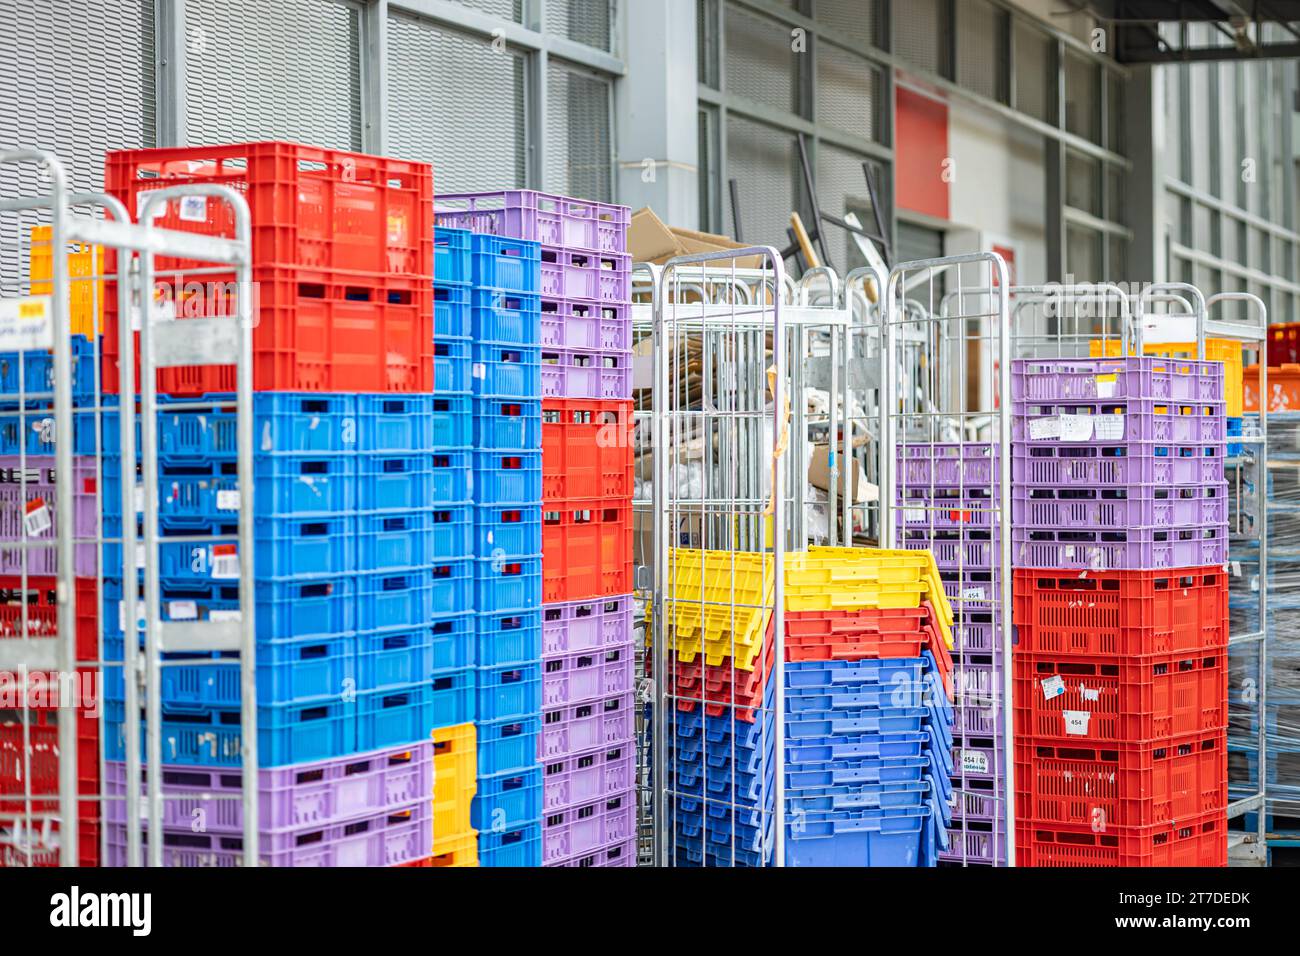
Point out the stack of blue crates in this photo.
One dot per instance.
(488, 344)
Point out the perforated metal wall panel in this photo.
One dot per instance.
(579, 150)
(1082, 182)
(273, 69)
(76, 78)
(1035, 82)
(456, 102)
(1082, 97)
(842, 188)
(508, 9)
(848, 91)
(851, 21)
(981, 48)
(706, 42)
(760, 63)
(583, 21)
(920, 33)
(762, 159)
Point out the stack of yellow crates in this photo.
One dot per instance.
(455, 769)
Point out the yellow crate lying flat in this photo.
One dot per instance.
(908, 559)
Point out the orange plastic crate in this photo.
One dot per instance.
(586, 449)
(1124, 785)
(1120, 612)
(586, 549)
(1283, 388)
(1199, 841)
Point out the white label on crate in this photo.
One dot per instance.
(1106, 385)
(182, 610)
(1236, 569)
(139, 554)
(1041, 429)
(26, 323)
(479, 370)
(194, 208)
(1254, 582)
(973, 593)
(1053, 686)
(914, 515)
(1076, 428)
(1088, 694)
(138, 496)
(1109, 427)
(228, 499)
(974, 761)
(224, 615)
(1076, 722)
(37, 519)
(225, 561)
(1069, 552)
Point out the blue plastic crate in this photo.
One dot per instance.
(723, 820)
(852, 798)
(453, 362)
(507, 799)
(505, 264)
(801, 675)
(393, 599)
(35, 367)
(453, 262)
(180, 600)
(452, 586)
(302, 608)
(814, 751)
(396, 716)
(453, 421)
(507, 529)
(508, 583)
(508, 424)
(507, 745)
(695, 779)
(396, 424)
(520, 847)
(510, 637)
(397, 483)
(452, 477)
(453, 532)
(508, 478)
(455, 644)
(396, 658)
(872, 771)
(399, 540)
(507, 317)
(506, 370)
(866, 838)
(451, 311)
(293, 733)
(514, 690)
(32, 431)
(1236, 429)
(886, 720)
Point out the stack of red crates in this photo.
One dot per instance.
(342, 245)
(1121, 717)
(33, 841)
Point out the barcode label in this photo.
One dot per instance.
(228, 499)
(194, 209)
(37, 519)
(225, 561)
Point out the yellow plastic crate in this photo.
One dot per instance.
(903, 569)
(455, 766)
(1216, 350)
(86, 298)
(459, 850)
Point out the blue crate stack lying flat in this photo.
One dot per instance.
(488, 351)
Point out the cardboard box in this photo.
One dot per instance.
(819, 476)
(650, 240)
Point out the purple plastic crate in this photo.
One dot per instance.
(600, 375)
(589, 326)
(1131, 549)
(587, 675)
(1138, 506)
(390, 838)
(976, 631)
(28, 513)
(541, 217)
(579, 830)
(977, 757)
(1108, 423)
(976, 800)
(620, 854)
(1116, 379)
(1058, 465)
(578, 274)
(982, 721)
(305, 795)
(924, 507)
(582, 778)
(969, 548)
(586, 625)
(575, 728)
(983, 847)
(948, 465)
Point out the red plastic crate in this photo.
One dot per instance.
(586, 549)
(1124, 613)
(1126, 785)
(42, 611)
(858, 635)
(1120, 700)
(1283, 344)
(1199, 841)
(44, 849)
(312, 208)
(586, 449)
(316, 331)
(733, 691)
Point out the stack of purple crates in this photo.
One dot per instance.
(946, 502)
(587, 747)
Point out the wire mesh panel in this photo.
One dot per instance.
(760, 62)
(579, 159)
(583, 21)
(285, 70)
(947, 434)
(762, 161)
